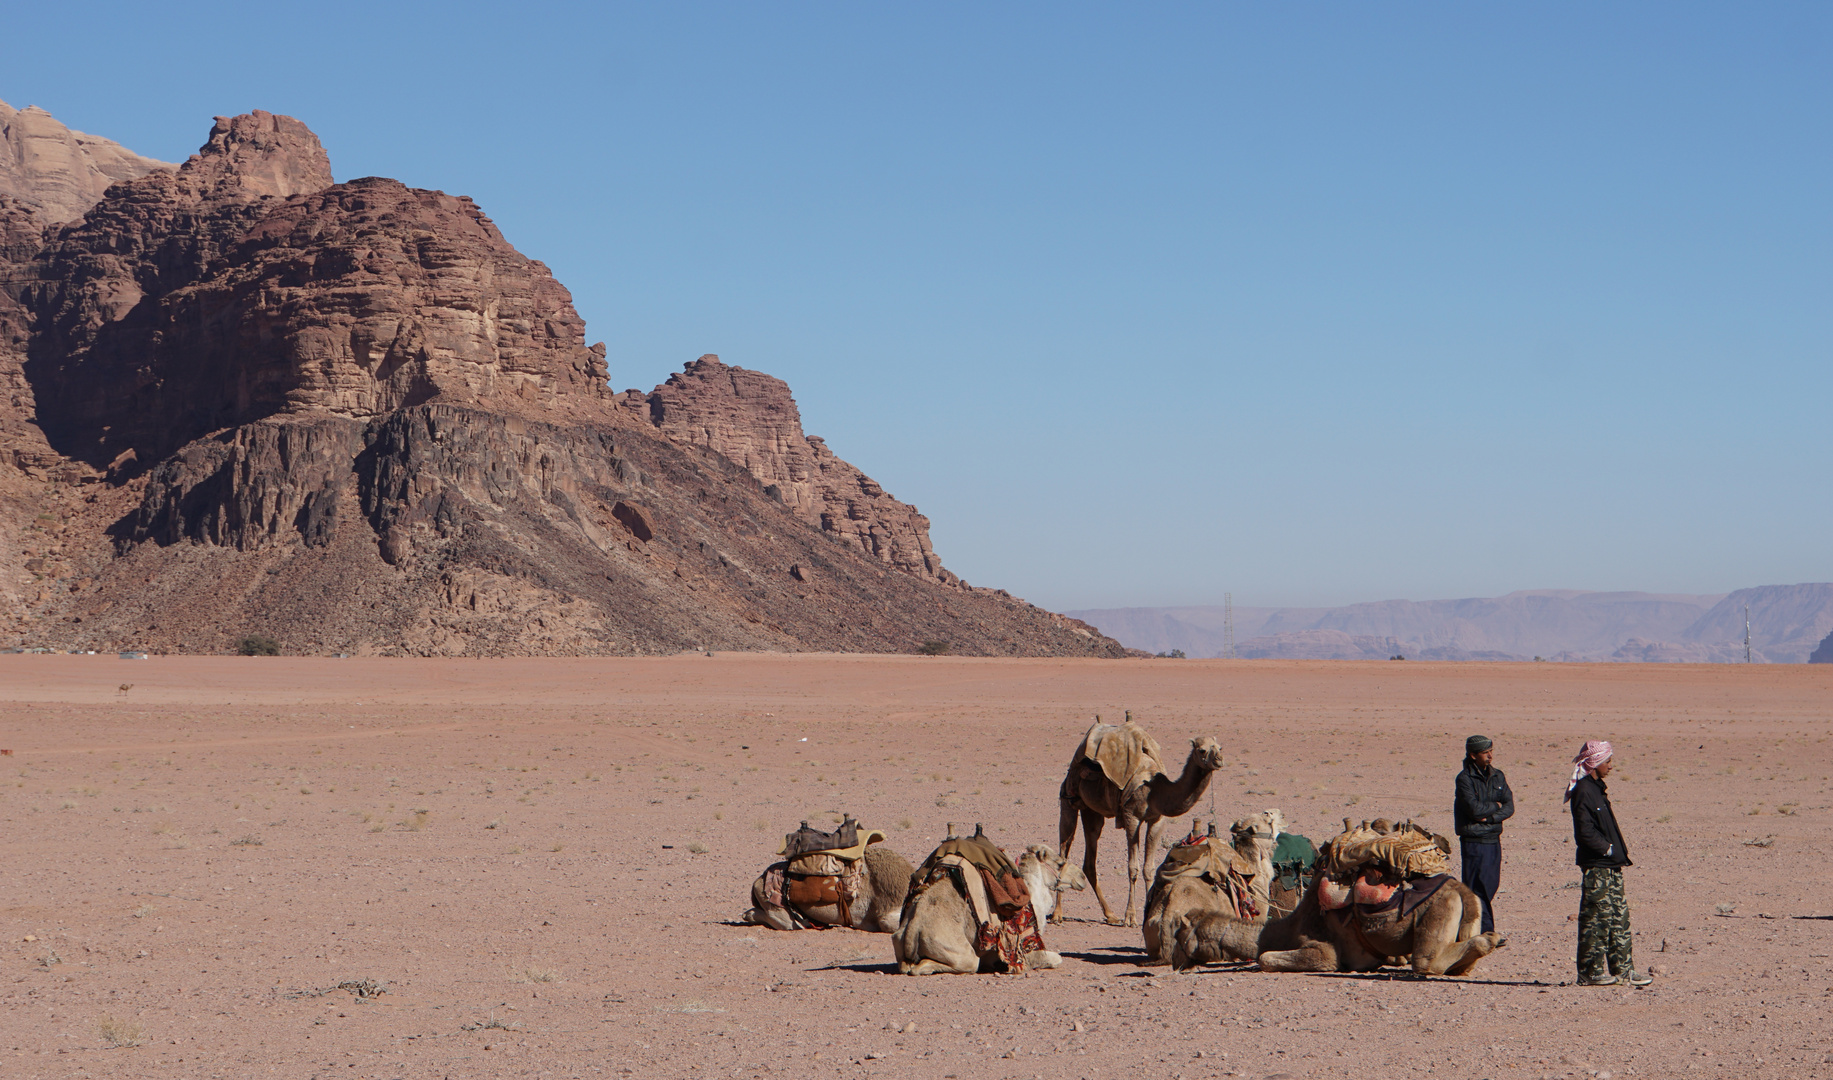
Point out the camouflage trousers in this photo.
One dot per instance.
(1603, 925)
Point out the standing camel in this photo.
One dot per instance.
(1118, 772)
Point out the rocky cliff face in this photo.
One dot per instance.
(354, 300)
(354, 418)
(751, 418)
(57, 173)
(1824, 653)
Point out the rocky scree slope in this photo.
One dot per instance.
(245, 399)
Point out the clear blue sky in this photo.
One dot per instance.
(1141, 303)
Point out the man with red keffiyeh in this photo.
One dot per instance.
(1604, 952)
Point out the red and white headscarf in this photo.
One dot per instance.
(1595, 752)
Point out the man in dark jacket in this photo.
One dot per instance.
(1483, 803)
(1604, 953)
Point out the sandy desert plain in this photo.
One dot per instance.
(542, 861)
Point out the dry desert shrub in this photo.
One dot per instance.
(492, 1024)
(697, 848)
(417, 821)
(538, 975)
(258, 645)
(119, 1034)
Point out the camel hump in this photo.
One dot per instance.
(1126, 753)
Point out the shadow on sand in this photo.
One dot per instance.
(863, 968)
(1118, 954)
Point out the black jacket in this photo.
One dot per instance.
(1483, 803)
(1594, 826)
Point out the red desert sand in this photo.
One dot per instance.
(244, 867)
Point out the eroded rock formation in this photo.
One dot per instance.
(751, 418)
(246, 399)
(57, 173)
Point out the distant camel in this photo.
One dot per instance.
(875, 908)
(1118, 772)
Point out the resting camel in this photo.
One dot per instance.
(875, 908)
(1137, 802)
(1439, 935)
(1182, 898)
(938, 933)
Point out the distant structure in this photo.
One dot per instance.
(1228, 624)
(1747, 633)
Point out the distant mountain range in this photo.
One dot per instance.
(1787, 623)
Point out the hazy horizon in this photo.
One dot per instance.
(1314, 306)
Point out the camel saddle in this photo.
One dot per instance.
(1221, 866)
(1006, 891)
(1407, 854)
(793, 891)
(1125, 753)
(810, 851)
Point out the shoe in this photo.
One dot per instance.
(1637, 978)
(1601, 980)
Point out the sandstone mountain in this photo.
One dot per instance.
(1786, 621)
(55, 172)
(1823, 654)
(245, 399)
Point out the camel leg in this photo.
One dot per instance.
(1444, 942)
(1066, 835)
(1317, 956)
(930, 966)
(1136, 861)
(1042, 960)
(773, 917)
(764, 913)
(1092, 824)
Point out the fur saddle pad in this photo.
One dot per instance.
(1411, 854)
(1126, 754)
(1404, 854)
(821, 863)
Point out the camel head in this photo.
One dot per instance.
(1205, 754)
(1053, 870)
(1266, 825)
(1048, 875)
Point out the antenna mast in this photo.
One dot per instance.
(1747, 633)
(1228, 624)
